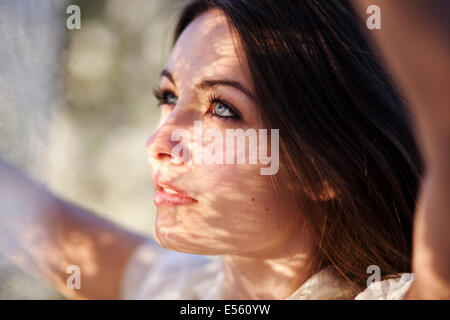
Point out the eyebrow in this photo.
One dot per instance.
(166, 73)
(206, 84)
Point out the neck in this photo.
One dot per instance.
(248, 277)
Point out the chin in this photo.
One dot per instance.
(170, 240)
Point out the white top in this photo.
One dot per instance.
(158, 274)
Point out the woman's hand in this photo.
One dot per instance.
(414, 38)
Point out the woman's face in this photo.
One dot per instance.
(235, 210)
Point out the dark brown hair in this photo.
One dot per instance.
(342, 127)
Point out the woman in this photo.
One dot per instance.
(343, 198)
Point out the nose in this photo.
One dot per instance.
(160, 146)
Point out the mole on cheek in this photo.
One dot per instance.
(267, 209)
(253, 199)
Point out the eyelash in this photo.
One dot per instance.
(217, 99)
(160, 95)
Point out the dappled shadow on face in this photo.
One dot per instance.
(237, 213)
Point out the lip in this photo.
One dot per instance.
(169, 195)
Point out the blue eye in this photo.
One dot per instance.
(221, 110)
(170, 98)
(165, 97)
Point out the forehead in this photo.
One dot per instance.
(208, 48)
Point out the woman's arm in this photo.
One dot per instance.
(45, 235)
(414, 38)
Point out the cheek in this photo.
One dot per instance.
(237, 211)
(242, 201)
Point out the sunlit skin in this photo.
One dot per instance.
(235, 213)
(266, 252)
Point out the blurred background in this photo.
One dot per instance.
(76, 107)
